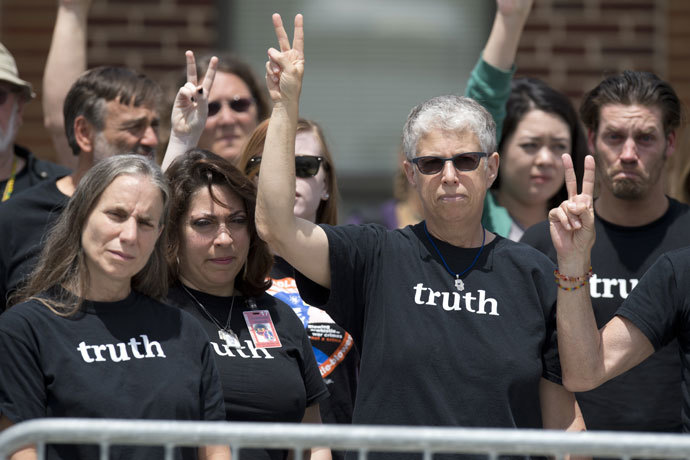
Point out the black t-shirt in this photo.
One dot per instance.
(660, 307)
(34, 172)
(646, 397)
(431, 355)
(131, 359)
(259, 384)
(24, 222)
(334, 348)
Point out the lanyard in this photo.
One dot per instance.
(9, 186)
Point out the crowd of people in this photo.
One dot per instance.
(518, 282)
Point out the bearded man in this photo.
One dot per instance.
(632, 119)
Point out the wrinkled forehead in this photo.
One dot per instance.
(117, 112)
(438, 141)
(220, 195)
(632, 117)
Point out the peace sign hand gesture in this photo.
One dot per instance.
(572, 223)
(190, 108)
(189, 112)
(285, 68)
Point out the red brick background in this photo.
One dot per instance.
(568, 43)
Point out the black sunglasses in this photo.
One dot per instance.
(4, 94)
(238, 104)
(305, 165)
(466, 161)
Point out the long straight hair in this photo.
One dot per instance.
(62, 263)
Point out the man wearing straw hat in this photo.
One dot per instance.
(19, 168)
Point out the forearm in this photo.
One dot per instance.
(65, 63)
(177, 146)
(220, 452)
(276, 194)
(579, 340)
(501, 47)
(320, 453)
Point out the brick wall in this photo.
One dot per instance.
(149, 35)
(568, 43)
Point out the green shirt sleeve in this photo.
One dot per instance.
(490, 86)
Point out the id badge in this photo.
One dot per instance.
(261, 328)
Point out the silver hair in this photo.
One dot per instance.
(449, 113)
(62, 261)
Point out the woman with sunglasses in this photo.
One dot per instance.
(316, 201)
(455, 324)
(237, 103)
(218, 273)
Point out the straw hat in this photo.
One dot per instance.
(9, 73)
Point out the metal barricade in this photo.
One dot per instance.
(362, 439)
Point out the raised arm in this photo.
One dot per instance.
(302, 243)
(66, 62)
(190, 110)
(501, 47)
(589, 357)
(489, 83)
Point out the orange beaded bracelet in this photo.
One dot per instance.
(582, 280)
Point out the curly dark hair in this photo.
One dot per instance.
(200, 168)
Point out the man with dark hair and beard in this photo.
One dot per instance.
(632, 119)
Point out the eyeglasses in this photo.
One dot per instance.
(238, 104)
(305, 165)
(466, 161)
(4, 94)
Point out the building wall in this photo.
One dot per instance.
(570, 44)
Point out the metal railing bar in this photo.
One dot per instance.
(371, 438)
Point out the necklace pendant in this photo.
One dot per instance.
(230, 338)
(459, 285)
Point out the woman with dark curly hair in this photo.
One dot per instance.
(219, 273)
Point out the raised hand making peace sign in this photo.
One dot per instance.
(285, 68)
(572, 223)
(190, 110)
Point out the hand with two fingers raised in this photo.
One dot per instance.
(572, 223)
(190, 108)
(285, 67)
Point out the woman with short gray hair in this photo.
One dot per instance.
(455, 325)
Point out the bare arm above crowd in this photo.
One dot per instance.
(589, 356)
(302, 243)
(65, 63)
(190, 110)
(501, 47)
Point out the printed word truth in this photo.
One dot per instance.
(117, 352)
(609, 288)
(473, 303)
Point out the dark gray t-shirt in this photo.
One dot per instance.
(646, 397)
(660, 307)
(131, 359)
(433, 355)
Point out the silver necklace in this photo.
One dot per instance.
(459, 285)
(224, 332)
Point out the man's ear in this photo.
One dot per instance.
(670, 143)
(84, 134)
(20, 110)
(492, 163)
(409, 172)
